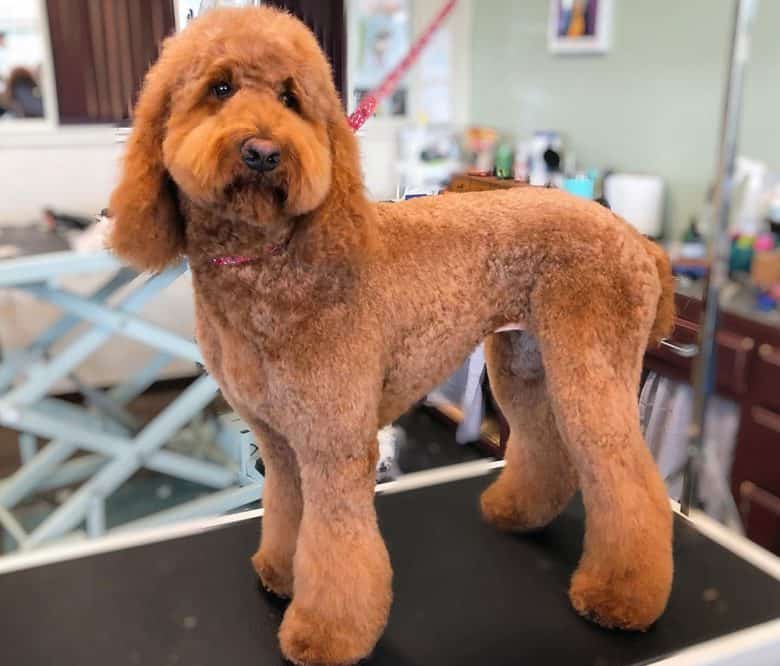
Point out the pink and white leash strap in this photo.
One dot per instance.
(370, 101)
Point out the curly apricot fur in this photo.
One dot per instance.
(368, 306)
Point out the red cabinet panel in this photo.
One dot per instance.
(757, 457)
(760, 511)
(765, 376)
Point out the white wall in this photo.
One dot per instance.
(74, 170)
(651, 105)
(68, 169)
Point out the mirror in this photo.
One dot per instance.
(22, 57)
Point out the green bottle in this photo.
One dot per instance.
(505, 160)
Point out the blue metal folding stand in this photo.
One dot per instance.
(117, 446)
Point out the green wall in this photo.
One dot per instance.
(652, 104)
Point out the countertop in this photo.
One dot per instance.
(736, 299)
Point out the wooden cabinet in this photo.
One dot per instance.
(471, 183)
(748, 372)
(735, 350)
(765, 374)
(735, 353)
(761, 514)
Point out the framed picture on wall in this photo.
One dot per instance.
(380, 38)
(580, 26)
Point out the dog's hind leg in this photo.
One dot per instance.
(592, 345)
(538, 480)
(283, 506)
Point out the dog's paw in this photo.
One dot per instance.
(633, 601)
(274, 576)
(501, 508)
(310, 639)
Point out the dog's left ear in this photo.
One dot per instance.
(345, 154)
(148, 229)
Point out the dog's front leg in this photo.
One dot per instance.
(342, 586)
(283, 506)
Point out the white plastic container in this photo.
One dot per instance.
(639, 199)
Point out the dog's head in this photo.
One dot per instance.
(240, 116)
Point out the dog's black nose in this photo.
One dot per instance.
(260, 154)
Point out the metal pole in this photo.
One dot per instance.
(718, 247)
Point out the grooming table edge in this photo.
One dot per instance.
(759, 644)
(71, 550)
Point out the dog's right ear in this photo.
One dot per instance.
(148, 229)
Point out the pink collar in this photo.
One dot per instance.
(274, 249)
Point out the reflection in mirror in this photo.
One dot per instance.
(21, 60)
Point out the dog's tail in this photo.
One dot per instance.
(664, 316)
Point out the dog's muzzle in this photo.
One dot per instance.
(260, 155)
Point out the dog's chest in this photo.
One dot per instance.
(234, 361)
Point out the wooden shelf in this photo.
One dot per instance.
(490, 431)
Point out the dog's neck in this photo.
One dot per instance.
(321, 260)
(210, 234)
(340, 226)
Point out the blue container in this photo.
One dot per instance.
(580, 186)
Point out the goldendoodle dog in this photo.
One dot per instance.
(324, 315)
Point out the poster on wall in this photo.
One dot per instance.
(435, 79)
(382, 29)
(580, 26)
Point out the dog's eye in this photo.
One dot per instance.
(289, 100)
(222, 90)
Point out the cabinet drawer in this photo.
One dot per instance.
(469, 186)
(757, 455)
(459, 185)
(734, 355)
(760, 511)
(469, 183)
(765, 376)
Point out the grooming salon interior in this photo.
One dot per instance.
(474, 326)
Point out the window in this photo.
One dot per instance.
(21, 60)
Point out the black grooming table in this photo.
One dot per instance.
(464, 594)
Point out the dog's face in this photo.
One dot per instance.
(238, 115)
(247, 128)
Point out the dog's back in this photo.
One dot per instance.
(529, 223)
